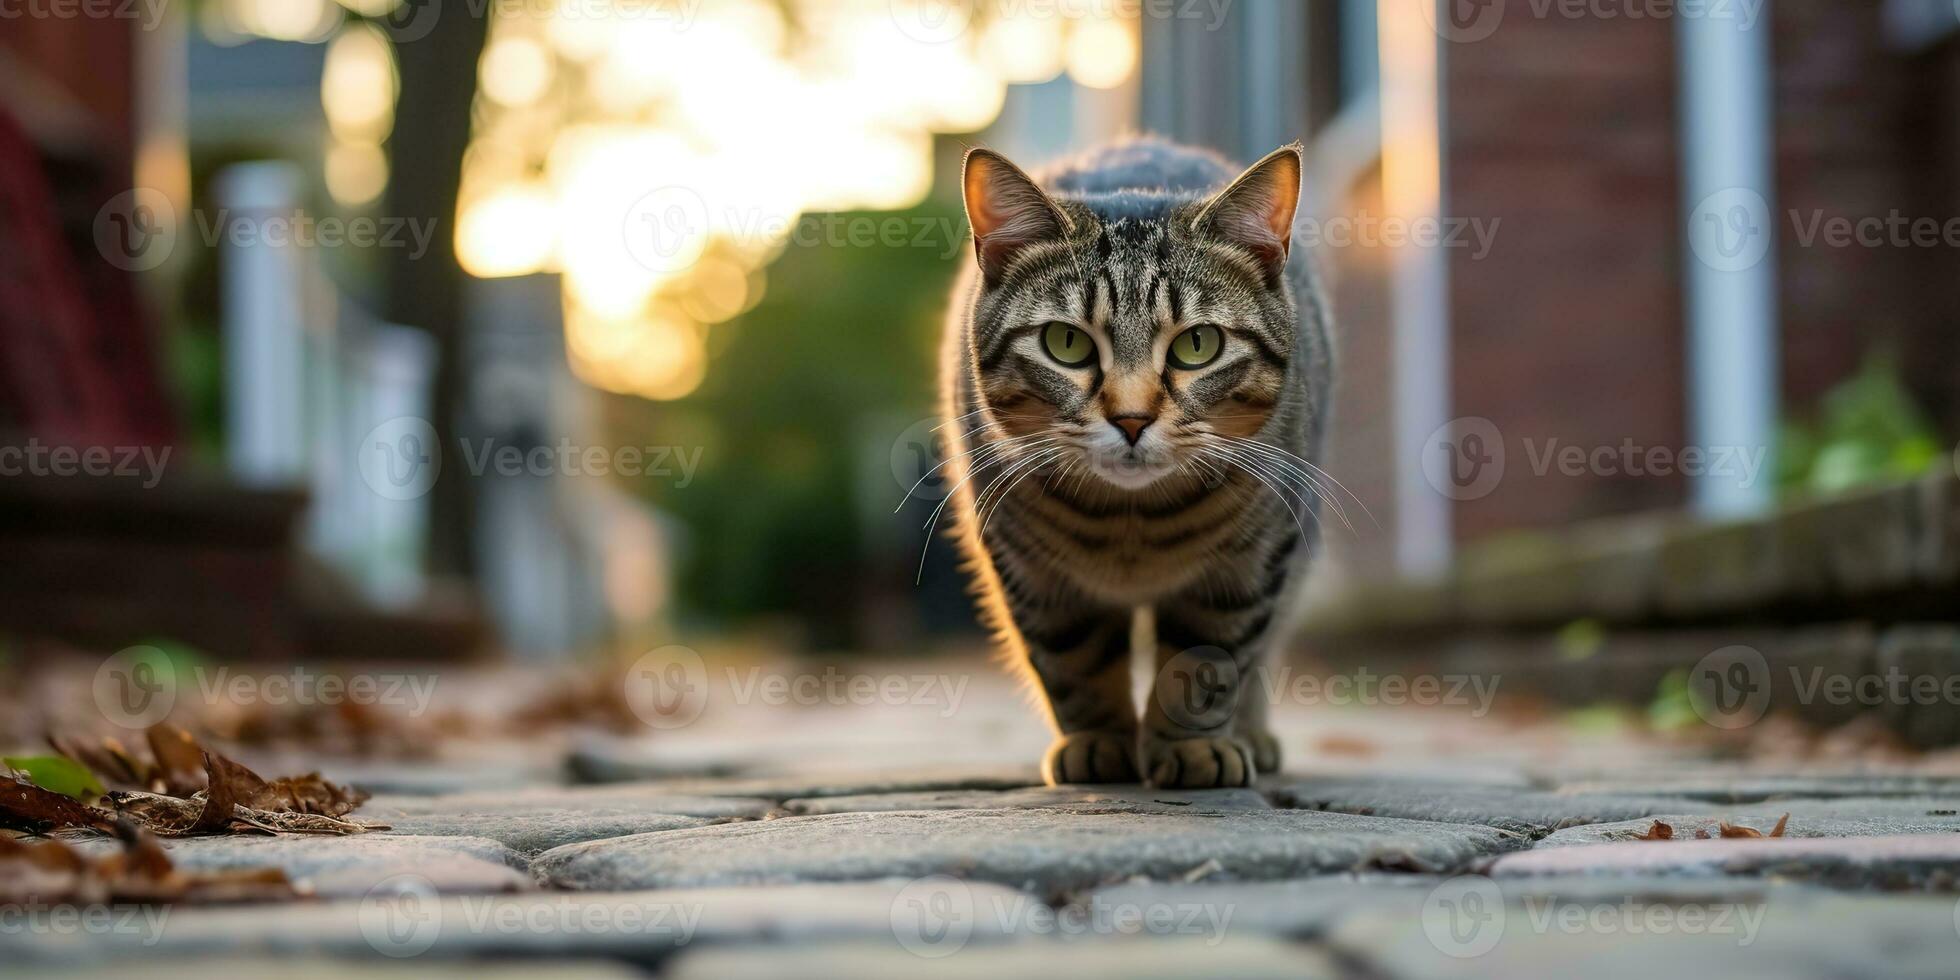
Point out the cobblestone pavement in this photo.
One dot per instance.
(905, 839)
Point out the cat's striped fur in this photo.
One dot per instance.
(1129, 489)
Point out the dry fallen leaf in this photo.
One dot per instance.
(27, 807)
(220, 796)
(52, 873)
(1659, 831)
(1728, 829)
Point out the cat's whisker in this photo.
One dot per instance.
(1227, 456)
(1027, 469)
(974, 452)
(1302, 461)
(932, 522)
(1284, 465)
(1293, 463)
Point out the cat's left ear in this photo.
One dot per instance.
(1256, 211)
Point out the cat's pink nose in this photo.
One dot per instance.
(1133, 425)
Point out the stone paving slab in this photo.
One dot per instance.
(859, 782)
(1641, 928)
(323, 968)
(1252, 958)
(538, 819)
(1758, 788)
(1905, 861)
(635, 927)
(1047, 849)
(1848, 817)
(350, 866)
(1033, 796)
(1532, 813)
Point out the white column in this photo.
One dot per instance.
(1728, 157)
(262, 302)
(1412, 190)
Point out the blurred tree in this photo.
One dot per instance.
(425, 162)
(845, 334)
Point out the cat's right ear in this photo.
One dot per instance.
(1007, 211)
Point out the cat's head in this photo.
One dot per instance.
(1137, 341)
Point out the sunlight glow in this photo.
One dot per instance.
(1102, 53)
(356, 173)
(659, 155)
(357, 85)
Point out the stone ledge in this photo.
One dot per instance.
(1818, 560)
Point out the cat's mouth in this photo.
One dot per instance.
(1130, 467)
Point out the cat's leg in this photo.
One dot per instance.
(1250, 724)
(1080, 653)
(1207, 683)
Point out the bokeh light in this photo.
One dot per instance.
(659, 156)
(357, 85)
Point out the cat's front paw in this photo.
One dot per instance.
(1265, 749)
(1199, 763)
(1091, 757)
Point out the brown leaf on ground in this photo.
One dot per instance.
(180, 761)
(226, 782)
(52, 873)
(1730, 830)
(27, 807)
(106, 757)
(1659, 831)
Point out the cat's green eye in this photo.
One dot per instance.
(1197, 347)
(1068, 344)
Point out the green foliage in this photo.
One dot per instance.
(1581, 639)
(58, 775)
(846, 334)
(1673, 706)
(1867, 430)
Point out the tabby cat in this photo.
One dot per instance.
(1132, 401)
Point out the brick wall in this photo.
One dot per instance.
(1853, 140)
(1570, 328)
